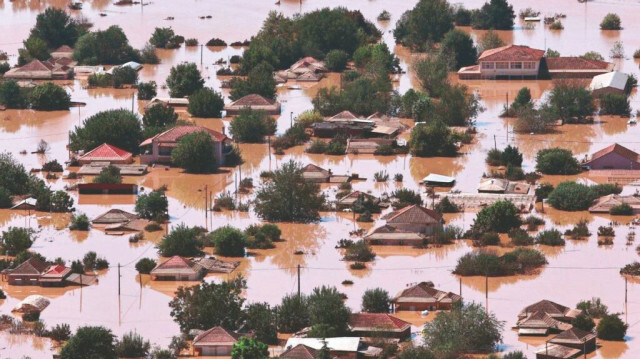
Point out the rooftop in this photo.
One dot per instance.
(413, 214)
(175, 134)
(216, 336)
(106, 152)
(617, 149)
(512, 53)
(367, 321)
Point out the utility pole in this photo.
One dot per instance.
(460, 286)
(298, 281)
(495, 144)
(118, 281)
(626, 308)
(291, 117)
(206, 205)
(201, 51)
(507, 108)
(486, 292)
(133, 96)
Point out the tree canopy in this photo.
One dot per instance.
(181, 241)
(426, 23)
(495, 14)
(432, 139)
(184, 79)
(376, 300)
(195, 153)
(328, 314)
(119, 128)
(259, 81)
(104, 47)
(252, 126)
(90, 343)
(49, 97)
(554, 161)
(153, 205)
(56, 28)
(499, 217)
(459, 45)
(206, 103)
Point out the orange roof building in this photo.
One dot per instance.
(157, 149)
(423, 296)
(178, 268)
(411, 225)
(253, 102)
(379, 324)
(106, 153)
(216, 341)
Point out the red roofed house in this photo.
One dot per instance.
(52, 69)
(106, 153)
(577, 339)
(614, 157)
(62, 51)
(216, 341)
(55, 276)
(313, 173)
(28, 272)
(505, 61)
(178, 268)
(411, 225)
(300, 351)
(379, 324)
(423, 296)
(554, 310)
(576, 67)
(157, 149)
(253, 102)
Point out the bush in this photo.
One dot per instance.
(554, 161)
(488, 239)
(615, 104)
(336, 60)
(132, 345)
(580, 230)
(181, 241)
(293, 313)
(606, 231)
(184, 80)
(104, 47)
(49, 97)
(148, 55)
(496, 14)
(52, 166)
(593, 308)
(520, 237)
(432, 139)
(317, 146)
(147, 90)
(60, 332)
(357, 266)
(499, 217)
(376, 301)
(5, 198)
(206, 103)
(520, 260)
(252, 126)
(359, 251)
(91, 262)
(195, 153)
(556, 25)
(162, 37)
(622, 209)
(90, 342)
(611, 22)
(631, 269)
(216, 42)
(153, 206)
(533, 222)
(543, 191)
(228, 241)
(145, 265)
(459, 46)
(80, 222)
(33, 316)
(120, 128)
(404, 197)
(446, 235)
(16, 239)
(446, 206)
(550, 237)
(611, 327)
(327, 312)
(427, 22)
(191, 42)
(604, 189)
(259, 81)
(571, 196)
(583, 322)
(384, 150)
(109, 175)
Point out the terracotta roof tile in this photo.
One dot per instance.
(512, 53)
(30, 266)
(176, 133)
(616, 148)
(216, 335)
(252, 100)
(36, 65)
(575, 63)
(377, 321)
(63, 48)
(106, 152)
(114, 215)
(175, 262)
(573, 336)
(426, 292)
(344, 115)
(300, 351)
(413, 214)
(546, 306)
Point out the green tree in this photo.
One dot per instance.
(145, 265)
(106, 47)
(228, 241)
(90, 343)
(288, 197)
(251, 126)
(457, 106)
(419, 352)
(110, 174)
(158, 118)
(432, 139)
(376, 300)
(181, 241)
(147, 90)
(153, 206)
(427, 22)
(570, 102)
(611, 327)
(496, 14)
(260, 318)
(328, 315)
(615, 104)
(195, 153)
(208, 305)
(464, 329)
(184, 80)
(80, 222)
(611, 22)
(571, 196)
(336, 60)
(124, 76)
(432, 73)
(459, 45)
(592, 55)
(594, 308)
(120, 128)
(293, 313)
(10, 95)
(60, 201)
(583, 322)
(161, 37)
(249, 348)
(34, 48)
(499, 217)
(553, 161)
(132, 345)
(49, 97)
(5, 198)
(511, 156)
(490, 40)
(16, 239)
(206, 103)
(259, 81)
(56, 28)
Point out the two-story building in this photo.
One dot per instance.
(506, 61)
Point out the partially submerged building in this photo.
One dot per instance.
(379, 325)
(614, 156)
(216, 341)
(32, 303)
(557, 351)
(106, 153)
(411, 225)
(174, 102)
(344, 123)
(606, 203)
(437, 180)
(113, 216)
(339, 347)
(157, 149)
(577, 339)
(349, 200)
(253, 102)
(540, 323)
(178, 268)
(576, 67)
(307, 69)
(423, 296)
(300, 351)
(554, 310)
(499, 185)
(27, 272)
(614, 82)
(367, 145)
(52, 69)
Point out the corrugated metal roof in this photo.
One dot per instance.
(614, 79)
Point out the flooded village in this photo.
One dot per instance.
(319, 179)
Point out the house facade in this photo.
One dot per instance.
(28, 272)
(216, 341)
(179, 269)
(506, 61)
(423, 296)
(412, 225)
(158, 148)
(615, 157)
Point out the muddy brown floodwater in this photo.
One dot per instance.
(578, 271)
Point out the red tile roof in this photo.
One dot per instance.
(425, 292)
(36, 65)
(377, 321)
(618, 149)
(413, 214)
(512, 53)
(313, 168)
(252, 100)
(216, 336)
(344, 115)
(575, 63)
(175, 262)
(63, 48)
(300, 351)
(573, 336)
(106, 152)
(32, 266)
(176, 133)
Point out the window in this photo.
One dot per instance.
(530, 65)
(164, 151)
(502, 65)
(488, 65)
(516, 65)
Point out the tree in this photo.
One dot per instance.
(251, 126)
(611, 22)
(499, 217)
(261, 319)
(496, 14)
(427, 22)
(583, 322)
(533, 120)
(5, 198)
(459, 45)
(124, 76)
(511, 156)
(615, 104)
(611, 327)
(432, 139)
(132, 345)
(49, 97)
(570, 102)
(10, 95)
(206, 103)
(592, 55)
(145, 265)
(59, 201)
(432, 73)
(293, 313)
(208, 305)
(147, 90)
(376, 301)
(195, 153)
(593, 308)
(259, 81)
(162, 37)
(228, 241)
(56, 28)
(16, 239)
(34, 48)
(553, 161)
(158, 118)
(249, 348)
(110, 174)
(523, 99)
(571, 196)
(90, 343)
(328, 315)
(419, 352)
(181, 241)
(457, 107)
(336, 60)
(550, 237)
(120, 128)
(60, 332)
(106, 47)
(153, 206)
(184, 80)
(79, 222)
(490, 40)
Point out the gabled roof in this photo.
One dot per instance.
(55, 272)
(542, 320)
(576, 63)
(618, 149)
(551, 308)
(177, 264)
(175, 134)
(377, 321)
(558, 351)
(388, 232)
(252, 100)
(343, 116)
(573, 336)
(613, 79)
(313, 168)
(106, 152)
(26, 203)
(356, 194)
(341, 344)
(36, 65)
(605, 203)
(63, 48)
(32, 266)
(425, 292)
(512, 53)
(114, 216)
(300, 351)
(413, 214)
(493, 185)
(216, 336)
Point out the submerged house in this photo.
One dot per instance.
(300, 351)
(411, 225)
(307, 69)
(106, 153)
(349, 200)
(344, 123)
(179, 269)
(174, 102)
(606, 203)
(32, 303)
(253, 102)
(613, 82)
(62, 51)
(158, 148)
(339, 347)
(554, 310)
(113, 216)
(540, 323)
(423, 296)
(557, 351)
(614, 156)
(52, 69)
(576, 67)
(379, 325)
(499, 185)
(33, 271)
(216, 341)
(577, 339)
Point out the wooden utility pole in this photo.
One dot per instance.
(626, 308)
(201, 50)
(486, 292)
(495, 144)
(206, 205)
(460, 286)
(298, 281)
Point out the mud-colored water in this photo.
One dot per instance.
(578, 271)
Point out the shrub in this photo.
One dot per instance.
(124, 76)
(33, 316)
(16, 239)
(153, 206)
(357, 266)
(252, 126)
(147, 90)
(533, 222)
(427, 22)
(499, 217)
(398, 177)
(520, 260)
(191, 42)
(571, 196)
(206, 103)
(195, 153)
(52, 166)
(336, 60)
(611, 22)
(49, 97)
(446, 206)
(359, 251)
(381, 176)
(384, 150)
(145, 265)
(259, 81)
(611, 327)
(162, 37)
(224, 201)
(120, 128)
(376, 301)
(520, 237)
(60, 332)
(80, 222)
(488, 239)
(631, 269)
(317, 146)
(132, 345)
(216, 42)
(556, 25)
(110, 175)
(228, 241)
(580, 230)
(583, 322)
(336, 148)
(184, 80)
(446, 235)
(181, 241)
(606, 231)
(556, 161)
(543, 191)
(403, 197)
(615, 104)
(91, 261)
(496, 14)
(5, 198)
(604, 189)
(550, 237)
(593, 308)
(432, 139)
(622, 209)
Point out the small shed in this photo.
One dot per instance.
(32, 303)
(611, 82)
(26, 204)
(434, 179)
